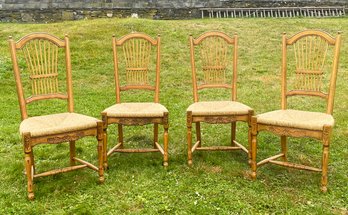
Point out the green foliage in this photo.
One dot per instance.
(218, 183)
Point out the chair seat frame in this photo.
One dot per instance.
(139, 121)
(222, 119)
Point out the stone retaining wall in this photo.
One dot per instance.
(56, 10)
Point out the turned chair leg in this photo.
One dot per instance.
(253, 156)
(101, 160)
(233, 133)
(165, 146)
(29, 172)
(105, 148)
(283, 142)
(251, 114)
(32, 160)
(105, 140)
(155, 132)
(100, 149)
(325, 159)
(72, 153)
(249, 145)
(120, 135)
(29, 165)
(189, 138)
(253, 146)
(198, 133)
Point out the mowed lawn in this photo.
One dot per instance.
(218, 182)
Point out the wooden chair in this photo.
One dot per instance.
(40, 76)
(303, 74)
(213, 68)
(140, 70)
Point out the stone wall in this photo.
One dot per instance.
(55, 10)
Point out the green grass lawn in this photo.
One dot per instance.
(218, 182)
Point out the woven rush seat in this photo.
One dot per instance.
(146, 109)
(217, 108)
(56, 124)
(296, 119)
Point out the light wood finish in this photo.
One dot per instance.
(216, 61)
(41, 53)
(136, 50)
(311, 51)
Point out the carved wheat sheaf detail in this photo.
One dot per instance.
(310, 55)
(41, 57)
(214, 60)
(137, 53)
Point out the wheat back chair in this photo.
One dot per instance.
(311, 73)
(136, 67)
(38, 61)
(211, 67)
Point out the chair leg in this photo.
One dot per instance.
(105, 139)
(32, 161)
(189, 138)
(155, 132)
(325, 158)
(29, 172)
(233, 133)
(249, 145)
(72, 153)
(283, 142)
(165, 145)
(120, 135)
(100, 149)
(253, 146)
(105, 148)
(29, 168)
(251, 114)
(198, 133)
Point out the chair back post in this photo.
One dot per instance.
(117, 84)
(158, 67)
(19, 86)
(234, 78)
(68, 75)
(284, 68)
(193, 69)
(332, 89)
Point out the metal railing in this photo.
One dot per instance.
(276, 12)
